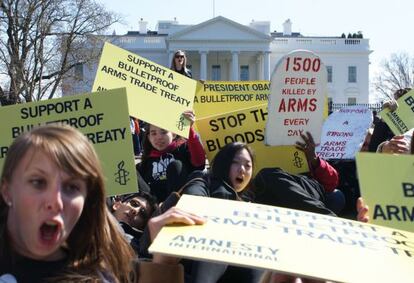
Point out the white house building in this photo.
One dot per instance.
(223, 50)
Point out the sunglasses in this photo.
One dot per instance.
(179, 56)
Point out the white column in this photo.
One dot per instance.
(259, 67)
(235, 66)
(203, 65)
(266, 65)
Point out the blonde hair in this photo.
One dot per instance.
(95, 244)
(174, 67)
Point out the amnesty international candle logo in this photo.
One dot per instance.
(297, 161)
(180, 123)
(122, 174)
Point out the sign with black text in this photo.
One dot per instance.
(104, 120)
(344, 132)
(289, 241)
(151, 88)
(387, 186)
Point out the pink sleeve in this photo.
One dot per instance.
(197, 153)
(326, 175)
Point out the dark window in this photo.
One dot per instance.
(352, 74)
(216, 73)
(244, 72)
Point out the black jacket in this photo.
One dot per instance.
(203, 184)
(154, 170)
(132, 235)
(35, 271)
(273, 186)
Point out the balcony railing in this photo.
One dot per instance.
(322, 42)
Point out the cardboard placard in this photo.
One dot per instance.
(387, 186)
(289, 241)
(218, 97)
(152, 89)
(247, 125)
(298, 89)
(402, 119)
(344, 132)
(102, 118)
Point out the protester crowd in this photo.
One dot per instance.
(57, 225)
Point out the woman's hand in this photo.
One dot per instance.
(362, 210)
(397, 145)
(308, 147)
(173, 215)
(390, 104)
(190, 116)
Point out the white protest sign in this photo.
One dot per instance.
(343, 133)
(298, 89)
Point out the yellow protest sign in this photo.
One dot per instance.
(388, 188)
(156, 94)
(217, 97)
(402, 119)
(102, 118)
(290, 241)
(247, 126)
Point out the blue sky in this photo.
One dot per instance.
(387, 24)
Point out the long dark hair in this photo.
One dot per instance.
(146, 144)
(220, 165)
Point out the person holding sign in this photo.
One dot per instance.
(381, 130)
(273, 186)
(167, 160)
(229, 178)
(54, 224)
(399, 144)
(322, 172)
(230, 174)
(179, 64)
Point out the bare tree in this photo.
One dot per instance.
(42, 41)
(397, 72)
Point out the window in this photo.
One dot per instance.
(79, 71)
(216, 73)
(352, 74)
(329, 71)
(352, 100)
(244, 72)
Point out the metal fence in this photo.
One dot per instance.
(336, 106)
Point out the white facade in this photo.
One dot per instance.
(221, 49)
